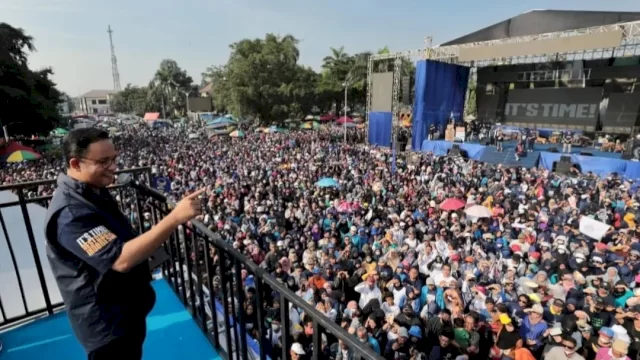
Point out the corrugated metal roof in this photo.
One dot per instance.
(535, 22)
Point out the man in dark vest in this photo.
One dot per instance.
(98, 259)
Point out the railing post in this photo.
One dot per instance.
(261, 327)
(225, 301)
(212, 298)
(34, 250)
(12, 254)
(286, 327)
(243, 325)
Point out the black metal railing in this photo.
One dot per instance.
(19, 228)
(209, 276)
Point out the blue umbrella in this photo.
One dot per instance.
(327, 182)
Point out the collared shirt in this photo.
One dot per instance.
(85, 233)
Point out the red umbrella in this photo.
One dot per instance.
(344, 119)
(452, 204)
(327, 117)
(347, 207)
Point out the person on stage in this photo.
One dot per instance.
(98, 259)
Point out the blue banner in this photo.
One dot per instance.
(161, 183)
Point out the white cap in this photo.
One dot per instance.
(297, 348)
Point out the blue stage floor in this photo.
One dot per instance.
(171, 334)
(509, 146)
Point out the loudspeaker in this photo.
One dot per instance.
(455, 150)
(565, 159)
(553, 149)
(585, 153)
(561, 167)
(484, 142)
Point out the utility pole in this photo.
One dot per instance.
(114, 62)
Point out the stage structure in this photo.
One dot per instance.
(594, 39)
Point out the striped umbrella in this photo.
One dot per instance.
(237, 133)
(22, 155)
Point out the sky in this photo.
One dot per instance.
(71, 35)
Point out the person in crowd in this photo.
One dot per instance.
(417, 256)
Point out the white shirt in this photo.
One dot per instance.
(367, 294)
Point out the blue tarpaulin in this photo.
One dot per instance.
(597, 165)
(380, 128)
(633, 170)
(441, 148)
(440, 92)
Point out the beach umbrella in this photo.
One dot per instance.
(452, 204)
(237, 133)
(22, 155)
(327, 182)
(310, 125)
(344, 119)
(327, 118)
(309, 117)
(478, 211)
(59, 131)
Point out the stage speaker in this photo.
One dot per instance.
(484, 142)
(586, 153)
(561, 167)
(553, 149)
(457, 151)
(565, 159)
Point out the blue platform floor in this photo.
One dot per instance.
(511, 145)
(171, 334)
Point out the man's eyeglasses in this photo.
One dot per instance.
(106, 162)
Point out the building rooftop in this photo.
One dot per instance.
(98, 94)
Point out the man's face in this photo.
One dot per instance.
(98, 165)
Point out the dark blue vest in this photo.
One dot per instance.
(101, 307)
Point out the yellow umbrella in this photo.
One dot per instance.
(22, 155)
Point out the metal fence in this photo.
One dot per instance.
(208, 275)
(37, 292)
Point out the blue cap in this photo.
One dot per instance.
(415, 331)
(315, 271)
(607, 331)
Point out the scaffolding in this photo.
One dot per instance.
(629, 46)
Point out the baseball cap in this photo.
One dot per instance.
(536, 308)
(402, 332)
(606, 331)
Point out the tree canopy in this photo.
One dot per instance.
(262, 79)
(28, 98)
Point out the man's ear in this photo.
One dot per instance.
(74, 163)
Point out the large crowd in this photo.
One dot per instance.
(393, 256)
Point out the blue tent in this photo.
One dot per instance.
(221, 122)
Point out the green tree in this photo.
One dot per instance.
(28, 99)
(134, 100)
(169, 87)
(261, 79)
